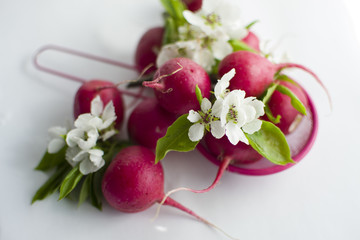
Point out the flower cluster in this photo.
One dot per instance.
(205, 37)
(82, 140)
(232, 114)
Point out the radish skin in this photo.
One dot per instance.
(175, 82)
(147, 49)
(148, 122)
(254, 73)
(107, 92)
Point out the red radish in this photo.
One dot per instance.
(280, 104)
(239, 154)
(254, 73)
(148, 122)
(175, 82)
(252, 40)
(133, 183)
(107, 92)
(193, 5)
(148, 48)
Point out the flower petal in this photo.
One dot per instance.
(73, 137)
(87, 167)
(96, 157)
(57, 131)
(193, 116)
(221, 49)
(109, 112)
(205, 105)
(253, 126)
(217, 108)
(196, 132)
(71, 152)
(258, 106)
(108, 134)
(228, 76)
(83, 120)
(217, 130)
(82, 155)
(235, 134)
(96, 106)
(92, 137)
(55, 145)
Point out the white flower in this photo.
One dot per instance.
(85, 140)
(218, 15)
(99, 117)
(239, 115)
(58, 141)
(205, 120)
(88, 125)
(221, 88)
(189, 49)
(90, 160)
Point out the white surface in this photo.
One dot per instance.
(317, 199)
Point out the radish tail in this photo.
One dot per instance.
(158, 84)
(224, 164)
(171, 202)
(282, 66)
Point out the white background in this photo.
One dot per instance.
(317, 199)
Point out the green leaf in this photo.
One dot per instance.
(84, 192)
(52, 184)
(295, 101)
(269, 92)
(251, 24)
(198, 94)
(95, 190)
(51, 160)
(176, 139)
(70, 182)
(271, 143)
(238, 45)
(270, 115)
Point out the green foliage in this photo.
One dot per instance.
(51, 160)
(239, 45)
(176, 139)
(271, 143)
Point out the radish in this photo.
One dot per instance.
(239, 154)
(193, 5)
(148, 48)
(107, 92)
(280, 104)
(133, 183)
(252, 41)
(254, 73)
(175, 82)
(148, 122)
